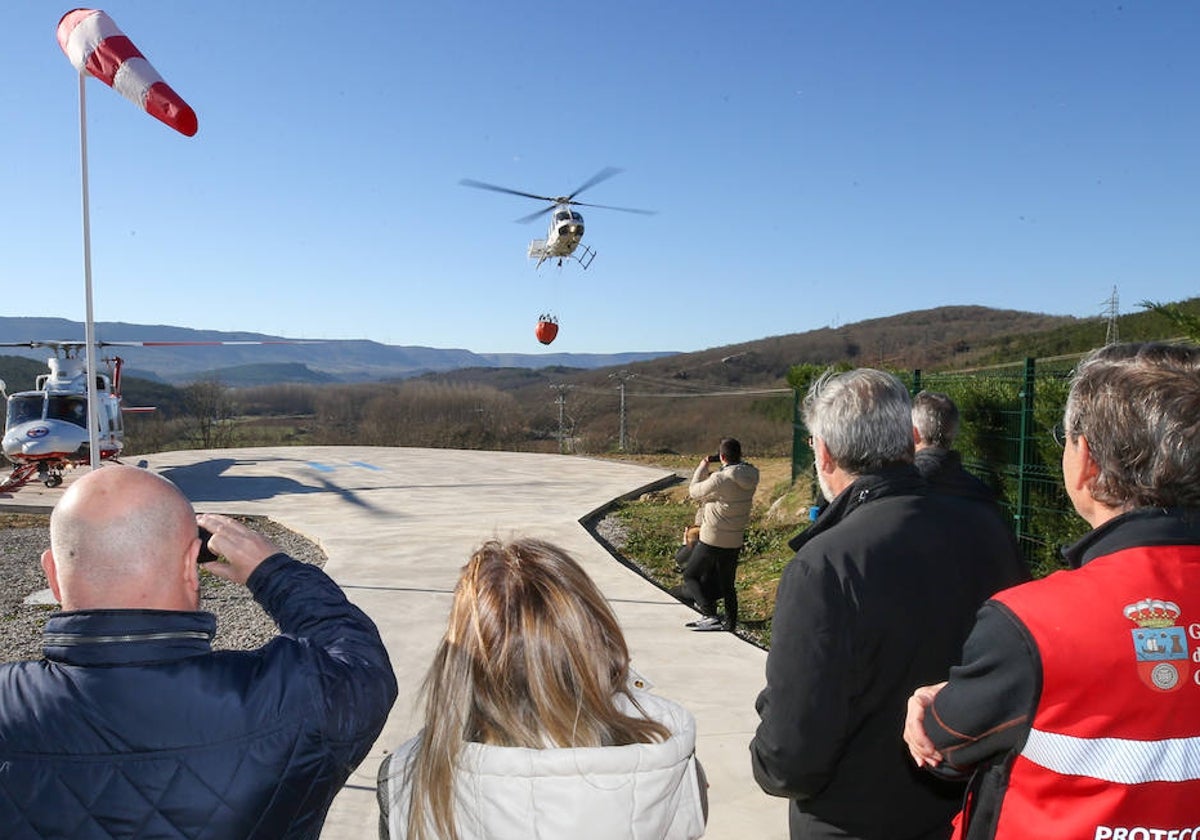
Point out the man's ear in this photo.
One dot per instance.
(51, 570)
(825, 462)
(916, 437)
(1089, 470)
(191, 569)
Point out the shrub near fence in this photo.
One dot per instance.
(1008, 413)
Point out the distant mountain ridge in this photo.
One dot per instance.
(953, 336)
(930, 339)
(334, 360)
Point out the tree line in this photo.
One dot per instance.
(429, 413)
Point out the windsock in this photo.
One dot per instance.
(96, 46)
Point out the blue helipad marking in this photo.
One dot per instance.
(321, 467)
(365, 465)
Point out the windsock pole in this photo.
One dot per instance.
(89, 323)
(95, 45)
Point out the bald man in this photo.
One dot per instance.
(132, 726)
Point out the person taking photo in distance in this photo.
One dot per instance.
(532, 727)
(132, 726)
(726, 497)
(1077, 703)
(880, 595)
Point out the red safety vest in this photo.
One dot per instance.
(1114, 749)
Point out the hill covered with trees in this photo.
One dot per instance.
(677, 403)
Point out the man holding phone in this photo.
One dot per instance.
(726, 497)
(132, 724)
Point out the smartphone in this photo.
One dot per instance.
(714, 459)
(206, 555)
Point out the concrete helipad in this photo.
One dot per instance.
(397, 524)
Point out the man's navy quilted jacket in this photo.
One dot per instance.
(133, 727)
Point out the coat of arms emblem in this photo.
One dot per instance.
(1161, 646)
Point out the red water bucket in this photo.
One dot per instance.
(546, 330)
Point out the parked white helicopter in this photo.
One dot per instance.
(45, 430)
(566, 225)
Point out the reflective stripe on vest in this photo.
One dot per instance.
(1117, 760)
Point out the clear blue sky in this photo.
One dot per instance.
(812, 164)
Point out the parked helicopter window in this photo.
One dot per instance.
(24, 408)
(70, 409)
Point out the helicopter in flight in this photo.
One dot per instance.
(566, 224)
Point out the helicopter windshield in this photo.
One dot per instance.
(24, 408)
(69, 409)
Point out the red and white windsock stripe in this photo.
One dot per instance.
(96, 46)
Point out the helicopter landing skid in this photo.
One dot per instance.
(20, 476)
(585, 256)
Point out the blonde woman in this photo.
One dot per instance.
(532, 726)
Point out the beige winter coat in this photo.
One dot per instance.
(726, 497)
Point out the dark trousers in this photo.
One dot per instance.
(804, 826)
(711, 573)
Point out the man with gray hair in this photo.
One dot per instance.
(881, 594)
(1077, 704)
(132, 726)
(935, 426)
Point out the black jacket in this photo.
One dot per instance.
(876, 602)
(944, 471)
(132, 726)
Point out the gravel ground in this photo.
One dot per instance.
(611, 530)
(241, 623)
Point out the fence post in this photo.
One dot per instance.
(799, 435)
(1024, 451)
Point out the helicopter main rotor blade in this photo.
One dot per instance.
(602, 175)
(467, 182)
(610, 207)
(524, 220)
(54, 345)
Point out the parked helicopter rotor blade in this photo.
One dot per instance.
(237, 343)
(602, 175)
(610, 207)
(524, 220)
(467, 182)
(36, 344)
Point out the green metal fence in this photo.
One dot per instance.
(1008, 413)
